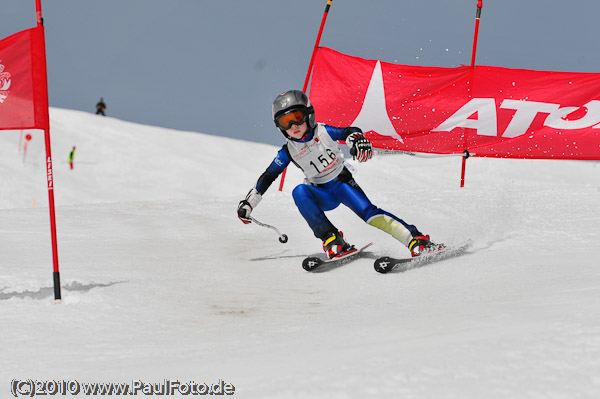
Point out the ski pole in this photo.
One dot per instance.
(465, 154)
(282, 237)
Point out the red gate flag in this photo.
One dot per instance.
(489, 111)
(23, 90)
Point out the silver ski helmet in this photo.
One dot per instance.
(288, 102)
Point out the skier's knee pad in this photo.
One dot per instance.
(392, 227)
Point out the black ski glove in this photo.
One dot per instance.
(244, 210)
(361, 148)
(246, 205)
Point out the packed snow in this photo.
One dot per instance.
(161, 281)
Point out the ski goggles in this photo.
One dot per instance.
(292, 117)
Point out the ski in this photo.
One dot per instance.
(317, 263)
(387, 264)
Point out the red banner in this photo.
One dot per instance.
(23, 87)
(489, 111)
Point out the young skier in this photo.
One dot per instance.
(312, 147)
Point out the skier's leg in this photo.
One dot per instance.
(354, 198)
(312, 202)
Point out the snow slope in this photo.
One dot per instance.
(161, 280)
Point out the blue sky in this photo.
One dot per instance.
(216, 66)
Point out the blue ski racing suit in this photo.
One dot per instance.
(329, 183)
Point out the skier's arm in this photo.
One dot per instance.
(341, 133)
(265, 180)
(360, 147)
(277, 166)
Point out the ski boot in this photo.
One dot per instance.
(421, 245)
(334, 244)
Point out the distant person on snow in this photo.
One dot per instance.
(312, 147)
(71, 157)
(100, 107)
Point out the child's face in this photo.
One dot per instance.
(297, 131)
